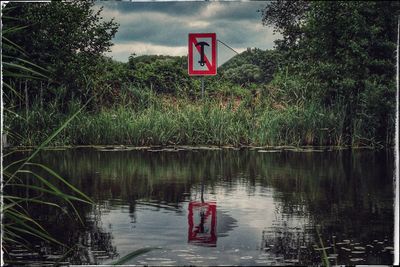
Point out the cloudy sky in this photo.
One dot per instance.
(161, 28)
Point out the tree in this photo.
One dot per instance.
(67, 38)
(345, 49)
(244, 74)
(287, 17)
(263, 63)
(163, 74)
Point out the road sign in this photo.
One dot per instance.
(202, 221)
(202, 58)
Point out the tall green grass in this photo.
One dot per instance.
(18, 225)
(160, 121)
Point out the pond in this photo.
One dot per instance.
(223, 207)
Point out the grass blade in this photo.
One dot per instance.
(13, 45)
(12, 89)
(5, 207)
(36, 233)
(54, 174)
(21, 67)
(54, 134)
(14, 163)
(133, 255)
(24, 217)
(27, 62)
(323, 251)
(37, 188)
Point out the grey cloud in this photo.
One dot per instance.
(168, 31)
(237, 10)
(168, 23)
(171, 8)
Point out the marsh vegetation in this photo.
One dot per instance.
(329, 82)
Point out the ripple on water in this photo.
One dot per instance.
(180, 250)
(168, 262)
(356, 259)
(358, 252)
(263, 257)
(292, 261)
(158, 259)
(266, 262)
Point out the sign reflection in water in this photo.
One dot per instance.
(202, 219)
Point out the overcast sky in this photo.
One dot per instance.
(161, 28)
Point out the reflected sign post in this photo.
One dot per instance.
(202, 221)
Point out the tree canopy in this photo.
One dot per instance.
(66, 38)
(345, 49)
(253, 65)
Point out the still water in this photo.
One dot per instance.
(225, 207)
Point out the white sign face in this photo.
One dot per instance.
(202, 58)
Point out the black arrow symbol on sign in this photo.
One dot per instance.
(202, 44)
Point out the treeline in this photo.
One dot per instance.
(329, 81)
(54, 54)
(341, 55)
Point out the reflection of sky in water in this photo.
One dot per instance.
(241, 219)
(268, 205)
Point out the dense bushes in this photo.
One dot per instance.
(65, 38)
(253, 65)
(169, 121)
(346, 50)
(160, 73)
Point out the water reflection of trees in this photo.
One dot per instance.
(85, 243)
(290, 243)
(313, 179)
(343, 194)
(325, 187)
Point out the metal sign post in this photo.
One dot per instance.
(202, 57)
(202, 87)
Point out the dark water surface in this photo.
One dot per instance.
(225, 207)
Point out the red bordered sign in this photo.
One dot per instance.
(202, 219)
(202, 58)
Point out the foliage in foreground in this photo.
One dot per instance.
(19, 195)
(19, 227)
(168, 121)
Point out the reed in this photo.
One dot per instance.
(161, 121)
(18, 225)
